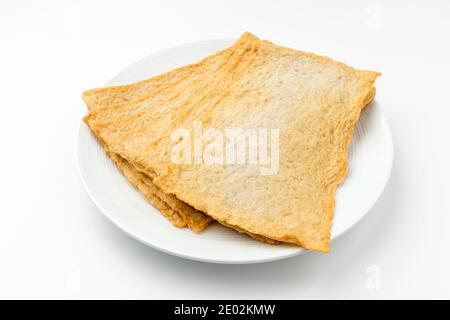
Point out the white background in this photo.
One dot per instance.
(54, 243)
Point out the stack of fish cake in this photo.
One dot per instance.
(310, 104)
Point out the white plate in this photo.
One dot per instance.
(371, 156)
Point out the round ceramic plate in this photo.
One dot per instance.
(370, 158)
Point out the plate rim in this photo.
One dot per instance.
(82, 126)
